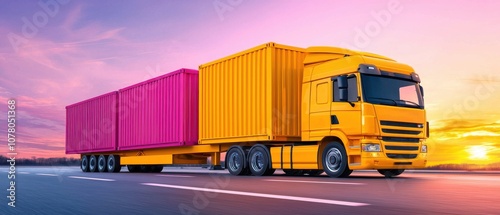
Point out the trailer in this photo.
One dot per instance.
(305, 111)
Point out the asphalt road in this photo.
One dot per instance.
(66, 190)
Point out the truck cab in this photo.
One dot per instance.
(366, 110)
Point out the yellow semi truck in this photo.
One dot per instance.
(305, 111)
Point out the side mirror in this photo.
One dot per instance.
(421, 90)
(342, 92)
(342, 81)
(343, 96)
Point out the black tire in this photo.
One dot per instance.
(346, 173)
(145, 168)
(102, 161)
(133, 168)
(258, 161)
(157, 168)
(269, 172)
(113, 163)
(293, 172)
(389, 173)
(235, 161)
(314, 172)
(335, 160)
(84, 163)
(93, 163)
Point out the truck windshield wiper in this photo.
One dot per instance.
(392, 100)
(413, 103)
(395, 101)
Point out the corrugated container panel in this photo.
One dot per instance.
(160, 112)
(253, 95)
(91, 125)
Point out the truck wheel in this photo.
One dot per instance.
(335, 160)
(114, 163)
(133, 168)
(145, 168)
(236, 161)
(258, 161)
(346, 173)
(157, 168)
(269, 172)
(92, 163)
(388, 173)
(101, 163)
(84, 163)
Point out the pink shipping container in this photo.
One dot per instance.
(161, 112)
(91, 125)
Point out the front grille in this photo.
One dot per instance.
(400, 139)
(401, 156)
(396, 131)
(401, 124)
(407, 148)
(402, 163)
(404, 133)
(401, 128)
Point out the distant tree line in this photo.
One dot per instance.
(42, 161)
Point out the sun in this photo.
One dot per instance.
(478, 152)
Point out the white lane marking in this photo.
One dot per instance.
(88, 178)
(178, 176)
(315, 182)
(46, 174)
(26, 173)
(262, 195)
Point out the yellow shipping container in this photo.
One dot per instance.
(254, 95)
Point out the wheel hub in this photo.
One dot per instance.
(234, 161)
(333, 160)
(258, 161)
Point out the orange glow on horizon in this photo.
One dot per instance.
(464, 141)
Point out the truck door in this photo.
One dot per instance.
(319, 115)
(345, 116)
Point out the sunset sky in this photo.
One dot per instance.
(52, 56)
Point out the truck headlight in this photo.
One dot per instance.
(371, 147)
(424, 149)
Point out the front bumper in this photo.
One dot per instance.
(378, 160)
(404, 156)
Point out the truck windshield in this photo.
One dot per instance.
(392, 91)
